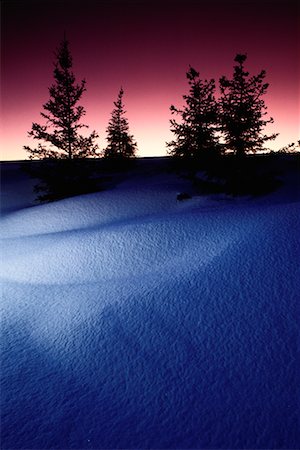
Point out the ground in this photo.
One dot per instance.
(133, 320)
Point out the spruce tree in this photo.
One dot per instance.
(196, 133)
(60, 135)
(243, 111)
(121, 144)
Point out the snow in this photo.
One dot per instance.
(132, 320)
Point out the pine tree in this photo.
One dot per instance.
(121, 144)
(196, 133)
(243, 111)
(60, 135)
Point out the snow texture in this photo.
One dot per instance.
(132, 320)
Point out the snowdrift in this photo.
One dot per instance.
(132, 320)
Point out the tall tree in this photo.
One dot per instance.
(121, 143)
(242, 109)
(60, 135)
(196, 133)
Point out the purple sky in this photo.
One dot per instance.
(146, 46)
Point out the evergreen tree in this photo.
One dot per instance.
(62, 114)
(243, 111)
(196, 133)
(121, 144)
(290, 148)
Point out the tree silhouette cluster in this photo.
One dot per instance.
(60, 137)
(68, 170)
(216, 134)
(234, 122)
(208, 127)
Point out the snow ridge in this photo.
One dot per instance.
(131, 320)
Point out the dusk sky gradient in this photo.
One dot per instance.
(145, 46)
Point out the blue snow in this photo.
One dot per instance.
(133, 321)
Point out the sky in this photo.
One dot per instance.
(145, 46)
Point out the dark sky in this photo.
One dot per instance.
(146, 46)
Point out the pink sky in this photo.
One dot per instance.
(145, 46)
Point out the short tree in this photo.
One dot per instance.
(60, 135)
(291, 148)
(243, 111)
(121, 143)
(196, 133)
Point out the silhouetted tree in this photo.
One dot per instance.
(121, 144)
(291, 148)
(243, 111)
(67, 171)
(196, 133)
(61, 131)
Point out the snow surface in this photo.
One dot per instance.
(132, 320)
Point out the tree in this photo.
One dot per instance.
(121, 144)
(63, 114)
(196, 133)
(290, 148)
(243, 111)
